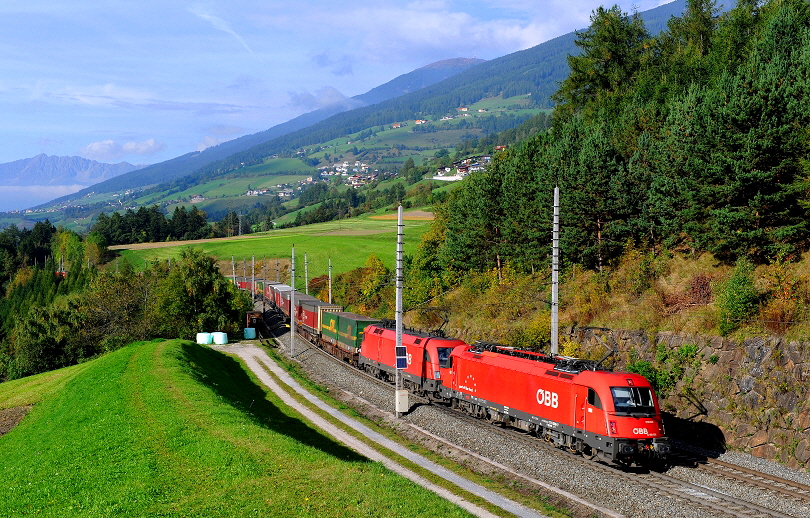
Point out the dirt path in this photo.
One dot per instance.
(164, 244)
(258, 360)
(413, 215)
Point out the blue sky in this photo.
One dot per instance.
(145, 81)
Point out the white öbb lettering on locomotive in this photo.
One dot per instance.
(548, 398)
(640, 431)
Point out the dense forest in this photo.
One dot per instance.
(150, 225)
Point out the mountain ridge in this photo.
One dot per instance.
(195, 160)
(46, 170)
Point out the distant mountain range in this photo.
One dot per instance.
(435, 89)
(60, 170)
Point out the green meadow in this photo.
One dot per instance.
(170, 428)
(348, 242)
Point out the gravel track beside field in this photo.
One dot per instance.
(256, 359)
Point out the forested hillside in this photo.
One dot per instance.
(693, 140)
(536, 71)
(58, 308)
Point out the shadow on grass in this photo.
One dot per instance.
(226, 377)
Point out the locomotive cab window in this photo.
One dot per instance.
(593, 399)
(633, 401)
(445, 360)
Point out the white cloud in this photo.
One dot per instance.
(218, 24)
(107, 150)
(226, 130)
(341, 66)
(321, 98)
(207, 142)
(98, 95)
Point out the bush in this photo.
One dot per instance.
(669, 368)
(739, 297)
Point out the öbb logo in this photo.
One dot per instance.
(548, 398)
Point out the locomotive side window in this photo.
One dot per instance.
(633, 400)
(593, 399)
(427, 356)
(445, 360)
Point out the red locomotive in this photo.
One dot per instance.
(572, 403)
(610, 415)
(427, 355)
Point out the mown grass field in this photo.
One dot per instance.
(169, 428)
(347, 242)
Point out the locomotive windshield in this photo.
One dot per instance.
(633, 401)
(444, 356)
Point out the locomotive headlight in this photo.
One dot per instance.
(627, 449)
(437, 375)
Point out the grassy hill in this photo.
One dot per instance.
(169, 428)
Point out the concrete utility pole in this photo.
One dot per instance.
(253, 278)
(233, 267)
(278, 271)
(401, 396)
(306, 274)
(292, 305)
(330, 280)
(555, 275)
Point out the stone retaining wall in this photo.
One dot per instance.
(756, 392)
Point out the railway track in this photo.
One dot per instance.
(714, 502)
(788, 488)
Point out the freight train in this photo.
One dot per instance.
(572, 403)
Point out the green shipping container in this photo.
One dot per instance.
(345, 329)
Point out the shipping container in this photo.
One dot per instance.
(342, 333)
